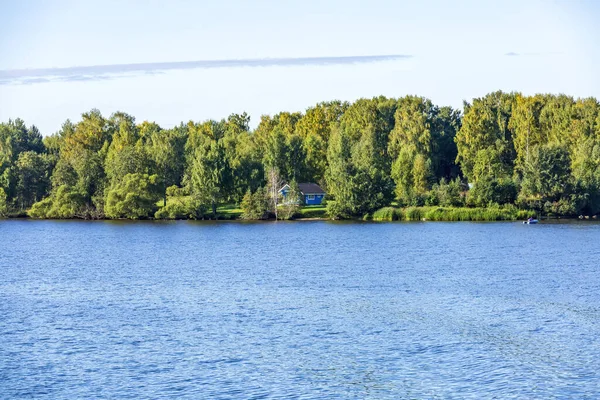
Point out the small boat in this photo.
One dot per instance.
(531, 221)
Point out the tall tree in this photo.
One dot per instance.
(528, 132)
(210, 176)
(33, 178)
(166, 149)
(410, 146)
(486, 123)
(315, 129)
(358, 176)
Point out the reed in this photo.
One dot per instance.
(508, 213)
(385, 214)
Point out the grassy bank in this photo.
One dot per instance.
(229, 211)
(509, 213)
(312, 212)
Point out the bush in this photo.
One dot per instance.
(41, 208)
(489, 191)
(446, 194)
(255, 205)
(3, 205)
(133, 197)
(175, 191)
(64, 203)
(186, 207)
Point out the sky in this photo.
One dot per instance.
(174, 61)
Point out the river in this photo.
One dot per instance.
(300, 310)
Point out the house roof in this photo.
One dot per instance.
(310, 188)
(306, 188)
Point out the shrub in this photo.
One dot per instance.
(66, 202)
(133, 197)
(488, 191)
(446, 194)
(174, 191)
(186, 207)
(255, 205)
(3, 205)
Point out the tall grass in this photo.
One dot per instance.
(386, 214)
(508, 213)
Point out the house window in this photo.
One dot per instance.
(311, 197)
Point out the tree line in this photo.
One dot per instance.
(537, 152)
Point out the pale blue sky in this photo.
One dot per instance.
(458, 50)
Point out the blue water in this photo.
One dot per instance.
(309, 310)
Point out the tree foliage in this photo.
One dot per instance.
(133, 197)
(255, 206)
(539, 151)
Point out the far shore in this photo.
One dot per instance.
(386, 214)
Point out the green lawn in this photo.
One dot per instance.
(226, 211)
(233, 211)
(313, 212)
(229, 211)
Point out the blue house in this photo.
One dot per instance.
(311, 193)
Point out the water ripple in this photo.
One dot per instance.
(299, 311)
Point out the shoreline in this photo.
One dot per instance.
(312, 219)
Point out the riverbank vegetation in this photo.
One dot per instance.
(501, 155)
(433, 213)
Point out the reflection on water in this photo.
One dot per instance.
(299, 310)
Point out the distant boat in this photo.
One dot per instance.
(531, 221)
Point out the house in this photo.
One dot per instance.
(311, 193)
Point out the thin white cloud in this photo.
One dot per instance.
(102, 72)
(531, 54)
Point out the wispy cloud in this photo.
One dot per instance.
(531, 54)
(102, 72)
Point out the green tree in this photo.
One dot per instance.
(166, 149)
(255, 205)
(274, 184)
(485, 125)
(410, 147)
(133, 197)
(528, 132)
(210, 175)
(490, 191)
(3, 205)
(358, 177)
(182, 207)
(339, 176)
(276, 151)
(315, 128)
(290, 206)
(446, 194)
(242, 158)
(547, 178)
(16, 139)
(586, 171)
(246, 165)
(65, 202)
(126, 153)
(33, 180)
(84, 149)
